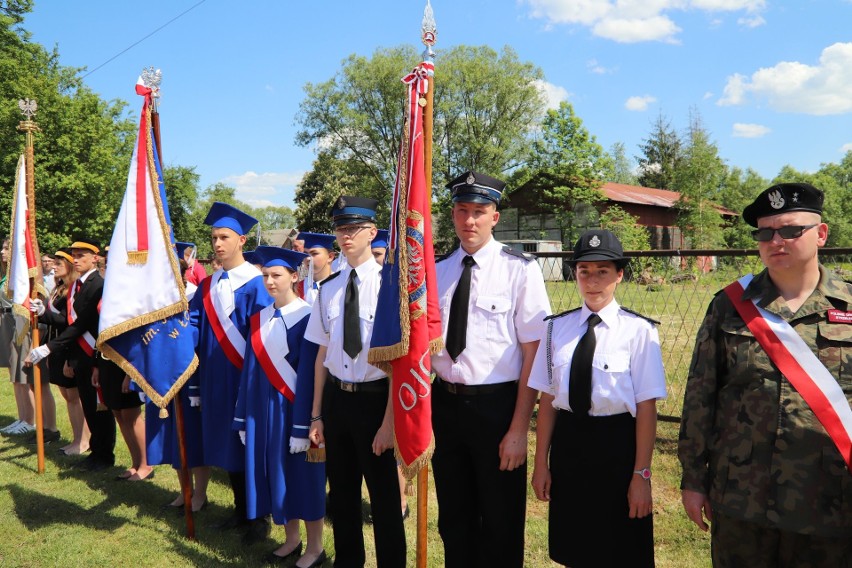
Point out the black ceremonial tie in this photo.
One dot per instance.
(457, 326)
(351, 318)
(580, 381)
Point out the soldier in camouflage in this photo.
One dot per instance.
(756, 460)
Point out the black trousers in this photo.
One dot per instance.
(481, 510)
(101, 423)
(351, 420)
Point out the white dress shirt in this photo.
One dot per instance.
(508, 304)
(326, 324)
(627, 367)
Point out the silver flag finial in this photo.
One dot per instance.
(152, 78)
(429, 29)
(28, 107)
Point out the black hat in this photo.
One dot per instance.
(90, 245)
(783, 198)
(598, 245)
(472, 187)
(348, 210)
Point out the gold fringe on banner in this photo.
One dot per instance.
(410, 471)
(316, 455)
(164, 413)
(137, 256)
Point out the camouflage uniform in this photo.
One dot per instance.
(747, 438)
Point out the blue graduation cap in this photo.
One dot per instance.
(252, 257)
(277, 256)
(381, 240)
(317, 240)
(181, 248)
(226, 216)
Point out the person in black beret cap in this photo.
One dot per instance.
(600, 245)
(762, 456)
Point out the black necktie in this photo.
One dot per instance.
(351, 318)
(457, 325)
(580, 381)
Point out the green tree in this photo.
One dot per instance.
(836, 206)
(738, 190)
(82, 151)
(622, 169)
(698, 177)
(182, 195)
(626, 227)
(662, 153)
(565, 169)
(486, 104)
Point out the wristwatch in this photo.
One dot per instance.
(644, 473)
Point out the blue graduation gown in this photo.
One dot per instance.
(161, 437)
(219, 379)
(279, 483)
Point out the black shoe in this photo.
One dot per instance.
(319, 561)
(49, 436)
(273, 558)
(235, 521)
(95, 464)
(181, 509)
(406, 513)
(258, 531)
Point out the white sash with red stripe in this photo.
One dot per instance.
(230, 339)
(85, 341)
(266, 331)
(800, 366)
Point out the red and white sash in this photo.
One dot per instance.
(85, 341)
(230, 339)
(266, 331)
(800, 366)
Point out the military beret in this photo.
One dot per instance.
(783, 198)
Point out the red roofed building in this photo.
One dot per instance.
(525, 215)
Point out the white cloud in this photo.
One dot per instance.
(261, 190)
(743, 130)
(707, 95)
(553, 94)
(791, 86)
(639, 103)
(598, 69)
(632, 21)
(846, 148)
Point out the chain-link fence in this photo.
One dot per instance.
(675, 288)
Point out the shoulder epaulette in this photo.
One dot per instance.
(652, 320)
(518, 253)
(331, 277)
(554, 316)
(443, 257)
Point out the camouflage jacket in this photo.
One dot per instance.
(747, 438)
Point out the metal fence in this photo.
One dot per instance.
(675, 288)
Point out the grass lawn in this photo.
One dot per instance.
(66, 517)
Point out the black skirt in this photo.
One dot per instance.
(591, 466)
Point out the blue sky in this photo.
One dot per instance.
(771, 80)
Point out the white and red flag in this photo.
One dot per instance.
(22, 260)
(408, 325)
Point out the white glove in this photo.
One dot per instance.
(37, 307)
(299, 445)
(142, 397)
(243, 437)
(194, 401)
(38, 354)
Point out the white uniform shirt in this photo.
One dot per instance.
(508, 304)
(627, 367)
(326, 324)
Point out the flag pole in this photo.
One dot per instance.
(429, 34)
(152, 79)
(28, 109)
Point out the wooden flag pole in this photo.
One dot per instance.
(152, 78)
(28, 107)
(429, 35)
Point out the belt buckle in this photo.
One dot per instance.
(346, 386)
(452, 388)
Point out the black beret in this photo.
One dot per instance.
(598, 245)
(783, 198)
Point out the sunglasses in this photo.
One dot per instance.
(789, 232)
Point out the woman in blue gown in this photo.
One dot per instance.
(273, 409)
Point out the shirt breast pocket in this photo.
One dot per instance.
(740, 349)
(611, 382)
(491, 316)
(834, 341)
